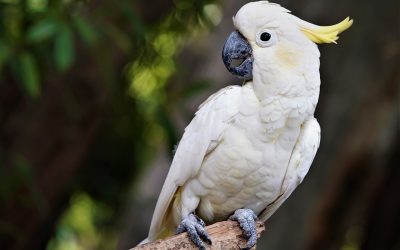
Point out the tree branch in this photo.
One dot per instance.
(224, 235)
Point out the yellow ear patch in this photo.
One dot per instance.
(325, 34)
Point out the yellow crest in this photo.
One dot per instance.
(323, 34)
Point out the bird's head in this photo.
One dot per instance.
(268, 39)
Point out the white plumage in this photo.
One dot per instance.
(248, 146)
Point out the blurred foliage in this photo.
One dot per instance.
(42, 40)
(29, 29)
(81, 226)
(149, 74)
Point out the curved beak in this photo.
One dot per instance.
(237, 56)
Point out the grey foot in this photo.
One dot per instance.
(194, 226)
(246, 219)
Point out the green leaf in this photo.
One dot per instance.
(41, 31)
(64, 52)
(29, 74)
(85, 30)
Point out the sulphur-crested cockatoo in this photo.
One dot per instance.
(249, 146)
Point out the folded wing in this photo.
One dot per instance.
(201, 136)
(300, 161)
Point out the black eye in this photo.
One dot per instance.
(265, 36)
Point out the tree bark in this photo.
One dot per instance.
(224, 235)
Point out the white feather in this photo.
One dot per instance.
(200, 137)
(299, 164)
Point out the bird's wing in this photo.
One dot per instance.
(300, 161)
(201, 136)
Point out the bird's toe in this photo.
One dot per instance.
(246, 219)
(194, 227)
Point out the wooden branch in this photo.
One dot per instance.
(224, 235)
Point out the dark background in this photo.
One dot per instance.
(94, 94)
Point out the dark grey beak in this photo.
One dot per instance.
(237, 56)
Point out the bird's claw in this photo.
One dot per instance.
(194, 226)
(246, 219)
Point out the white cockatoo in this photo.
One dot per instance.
(249, 146)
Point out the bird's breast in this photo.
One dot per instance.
(246, 169)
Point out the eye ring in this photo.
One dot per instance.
(265, 38)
